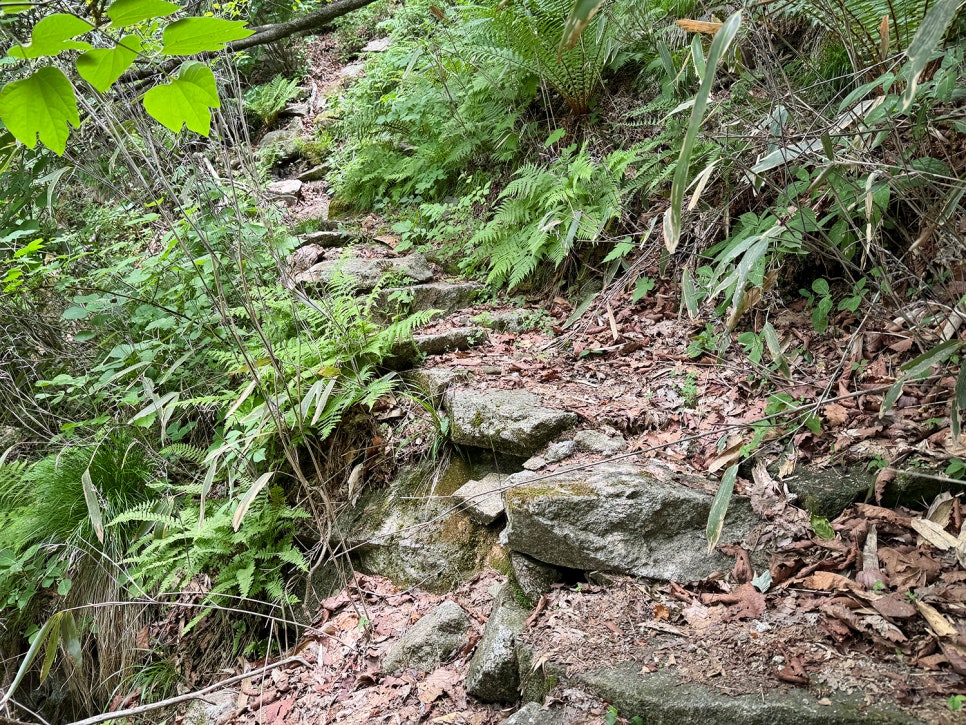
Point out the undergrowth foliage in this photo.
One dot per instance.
(546, 213)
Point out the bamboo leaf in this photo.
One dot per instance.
(93, 505)
(930, 34)
(35, 647)
(248, 498)
(672, 217)
(719, 507)
(916, 367)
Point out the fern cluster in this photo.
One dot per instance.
(546, 212)
(431, 106)
(525, 34)
(858, 24)
(251, 563)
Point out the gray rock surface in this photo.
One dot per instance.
(533, 714)
(482, 500)
(367, 271)
(430, 641)
(593, 441)
(661, 699)
(316, 173)
(286, 191)
(213, 709)
(533, 577)
(402, 533)
(619, 519)
(444, 296)
(829, 492)
(283, 144)
(507, 421)
(406, 353)
(493, 674)
(558, 451)
(434, 381)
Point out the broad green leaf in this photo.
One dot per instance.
(822, 528)
(43, 104)
(102, 67)
(248, 498)
(93, 505)
(13, 9)
(916, 367)
(70, 635)
(672, 218)
(930, 34)
(185, 101)
(129, 12)
(201, 35)
(719, 507)
(52, 35)
(53, 639)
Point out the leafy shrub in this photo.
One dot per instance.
(266, 101)
(546, 212)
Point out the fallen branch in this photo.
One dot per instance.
(264, 34)
(140, 709)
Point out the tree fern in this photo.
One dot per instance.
(525, 33)
(857, 23)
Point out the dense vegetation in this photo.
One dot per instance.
(175, 425)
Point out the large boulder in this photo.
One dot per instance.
(406, 353)
(413, 538)
(367, 271)
(283, 144)
(493, 674)
(618, 519)
(432, 640)
(507, 421)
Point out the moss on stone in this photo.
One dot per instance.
(520, 495)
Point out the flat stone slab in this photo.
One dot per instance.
(619, 519)
(506, 421)
(661, 698)
(443, 296)
(430, 641)
(316, 173)
(593, 441)
(286, 191)
(435, 381)
(407, 353)
(482, 500)
(367, 272)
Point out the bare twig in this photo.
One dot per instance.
(141, 709)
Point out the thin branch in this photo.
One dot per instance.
(309, 23)
(141, 709)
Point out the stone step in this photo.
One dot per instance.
(367, 272)
(446, 297)
(407, 353)
(512, 422)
